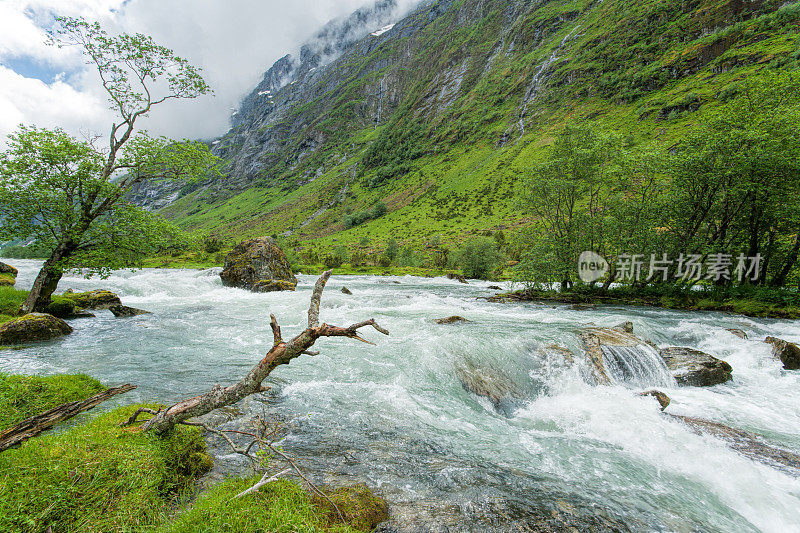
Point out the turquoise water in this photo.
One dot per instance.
(396, 416)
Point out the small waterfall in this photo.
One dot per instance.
(640, 366)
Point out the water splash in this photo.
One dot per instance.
(639, 366)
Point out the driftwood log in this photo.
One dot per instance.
(281, 353)
(36, 424)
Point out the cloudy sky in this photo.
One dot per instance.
(234, 41)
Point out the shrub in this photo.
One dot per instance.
(478, 258)
(392, 249)
(212, 245)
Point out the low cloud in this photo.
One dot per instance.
(234, 42)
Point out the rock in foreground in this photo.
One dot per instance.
(8, 275)
(33, 327)
(98, 299)
(258, 265)
(695, 368)
(123, 311)
(787, 352)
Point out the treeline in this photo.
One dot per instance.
(721, 207)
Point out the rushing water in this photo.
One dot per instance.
(397, 417)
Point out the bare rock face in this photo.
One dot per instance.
(695, 368)
(33, 327)
(98, 299)
(787, 352)
(123, 311)
(258, 265)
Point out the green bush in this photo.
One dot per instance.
(392, 249)
(478, 258)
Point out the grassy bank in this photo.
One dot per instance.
(100, 477)
(749, 301)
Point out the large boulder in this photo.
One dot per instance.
(455, 319)
(8, 269)
(33, 327)
(594, 339)
(258, 265)
(490, 383)
(97, 299)
(787, 352)
(694, 368)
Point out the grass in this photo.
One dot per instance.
(25, 396)
(10, 300)
(101, 478)
(281, 506)
(98, 477)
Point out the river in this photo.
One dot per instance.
(395, 415)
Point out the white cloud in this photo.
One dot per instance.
(233, 41)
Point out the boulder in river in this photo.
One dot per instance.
(33, 327)
(258, 265)
(787, 352)
(455, 319)
(663, 399)
(694, 368)
(347, 291)
(457, 277)
(123, 311)
(594, 339)
(739, 333)
(98, 299)
(490, 383)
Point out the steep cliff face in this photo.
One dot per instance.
(437, 112)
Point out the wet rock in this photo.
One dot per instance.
(748, 444)
(694, 368)
(457, 277)
(123, 311)
(495, 287)
(347, 291)
(33, 327)
(663, 399)
(594, 339)
(455, 319)
(787, 352)
(258, 265)
(98, 299)
(490, 383)
(739, 333)
(583, 307)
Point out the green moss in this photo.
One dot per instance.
(281, 506)
(10, 300)
(61, 307)
(7, 280)
(98, 478)
(24, 396)
(358, 505)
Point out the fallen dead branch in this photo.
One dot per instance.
(281, 353)
(36, 424)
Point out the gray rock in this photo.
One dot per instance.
(98, 299)
(787, 352)
(451, 320)
(457, 277)
(739, 333)
(692, 367)
(258, 265)
(123, 311)
(347, 291)
(663, 399)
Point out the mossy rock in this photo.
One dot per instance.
(62, 308)
(273, 285)
(8, 269)
(33, 327)
(98, 299)
(361, 508)
(258, 265)
(6, 280)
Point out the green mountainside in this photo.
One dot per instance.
(441, 116)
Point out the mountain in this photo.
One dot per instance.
(438, 113)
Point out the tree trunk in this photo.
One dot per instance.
(780, 278)
(46, 281)
(281, 353)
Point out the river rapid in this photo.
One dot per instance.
(396, 416)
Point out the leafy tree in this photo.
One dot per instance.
(478, 258)
(392, 249)
(69, 194)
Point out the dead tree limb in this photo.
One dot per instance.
(281, 353)
(35, 425)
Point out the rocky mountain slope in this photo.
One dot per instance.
(439, 112)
